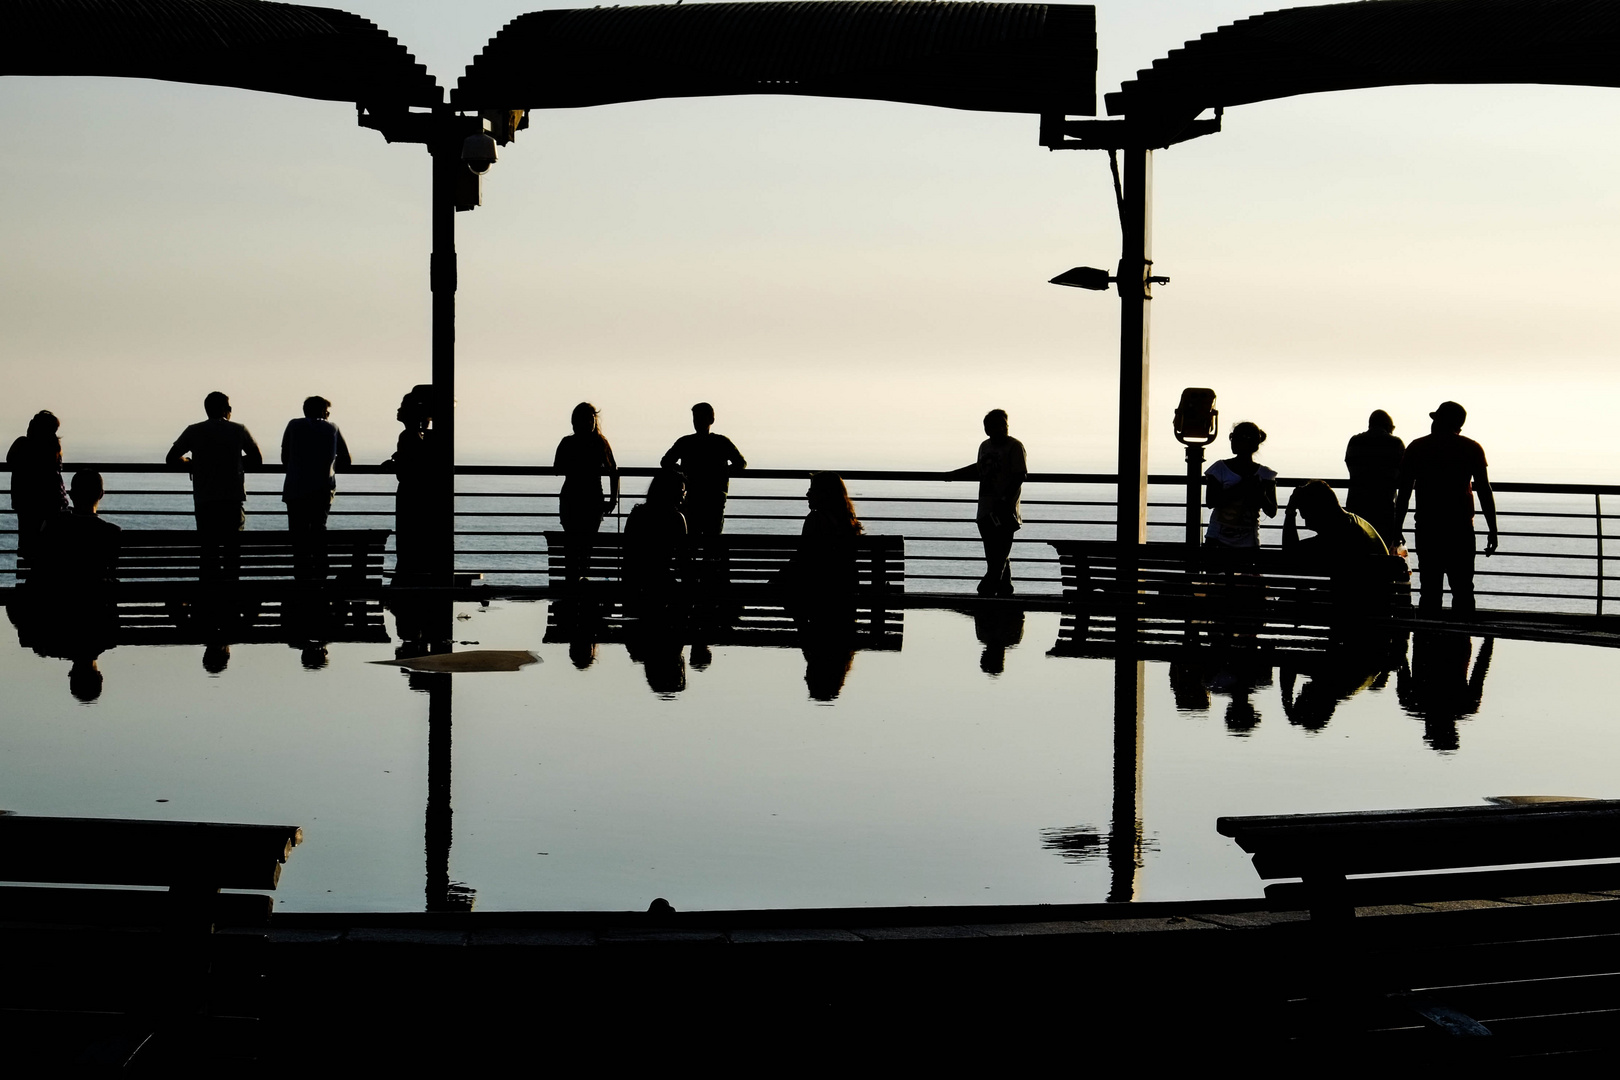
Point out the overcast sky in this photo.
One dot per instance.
(852, 284)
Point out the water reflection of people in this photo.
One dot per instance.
(1373, 458)
(998, 630)
(709, 461)
(1336, 680)
(658, 651)
(827, 660)
(37, 492)
(216, 657)
(583, 457)
(66, 609)
(1439, 689)
(1239, 680)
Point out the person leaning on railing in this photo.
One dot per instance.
(37, 492)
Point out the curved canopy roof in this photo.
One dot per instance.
(280, 48)
(996, 57)
(1353, 46)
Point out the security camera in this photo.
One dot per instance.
(478, 151)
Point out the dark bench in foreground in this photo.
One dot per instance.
(1277, 602)
(351, 556)
(1530, 948)
(127, 962)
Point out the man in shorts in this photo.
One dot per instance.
(1446, 470)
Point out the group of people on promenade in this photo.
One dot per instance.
(1444, 469)
(687, 498)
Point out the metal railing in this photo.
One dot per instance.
(1552, 557)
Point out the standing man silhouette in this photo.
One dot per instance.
(219, 450)
(1001, 469)
(1446, 470)
(1374, 460)
(709, 461)
(312, 448)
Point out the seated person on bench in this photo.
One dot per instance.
(79, 549)
(654, 538)
(1344, 547)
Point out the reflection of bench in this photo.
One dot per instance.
(1277, 598)
(140, 954)
(1484, 969)
(353, 556)
(743, 564)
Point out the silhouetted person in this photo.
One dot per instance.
(1238, 490)
(1345, 545)
(709, 461)
(419, 467)
(1446, 470)
(827, 660)
(1439, 689)
(37, 492)
(583, 458)
(997, 630)
(1374, 460)
(1001, 469)
(219, 451)
(312, 449)
(80, 550)
(655, 539)
(822, 571)
(1338, 679)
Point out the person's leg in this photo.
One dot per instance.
(997, 572)
(705, 514)
(1432, 551)
(1460, 568)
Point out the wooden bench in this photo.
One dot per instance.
(741, 564)
(1276, 603)
(730, 593)
(145, 556)
(1528, 941)
(133, 950)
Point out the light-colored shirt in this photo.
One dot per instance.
(1237, 524)
(1002, 469)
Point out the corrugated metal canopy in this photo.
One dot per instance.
(1377, 43)
(997, 57)
(280, 48)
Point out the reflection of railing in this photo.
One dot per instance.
(1553, 554)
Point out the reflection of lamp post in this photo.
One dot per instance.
(1197, 422)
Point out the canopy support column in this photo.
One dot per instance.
(447, 176)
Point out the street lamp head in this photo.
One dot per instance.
(478, 151)
(1085, 277)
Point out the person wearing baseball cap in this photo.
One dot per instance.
(1446, 470)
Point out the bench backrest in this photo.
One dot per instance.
(176, 554)
(114, 851)
(753, 562)
(1383, 842)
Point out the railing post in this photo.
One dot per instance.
(1195, 476)
(1597, 500)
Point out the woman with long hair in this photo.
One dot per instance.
(583, 458)
(37, 491)
(824, 566)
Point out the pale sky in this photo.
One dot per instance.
(852, 284)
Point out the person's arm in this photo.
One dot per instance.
(1487, 506)
(966, 472)
(613, 477)
(671, 459)
(1290, 534)
(1403, 497)
(738, 463)
(343, 460)
(177, 452)
(250, 449)
(1268, 497)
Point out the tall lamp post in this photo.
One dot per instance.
(1197, 423)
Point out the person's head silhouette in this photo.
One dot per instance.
(43, 425)
(1317, 504)
(585, 419)
(84, 680)
(666, 488)
(217, 406)
(216, 658)
(1449, 418)
(1246, 438)
(829, 495)
(995, 423)
(87, 491)
(317, 408)
(702, 417)
(416, 407)
(1380, 421)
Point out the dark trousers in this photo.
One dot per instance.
(705, 513)
(218, 526)
(1446, 554)
(580, 527)
(998, 540)
(306, 520)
